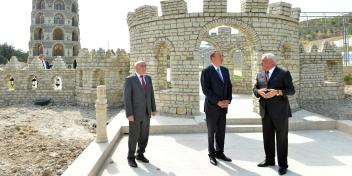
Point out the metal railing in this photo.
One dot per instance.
(345, 18)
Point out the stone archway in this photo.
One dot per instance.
(58, 34)
(248, 32)
(98, 78)
(252, 48)
(244, 28)
(58, 49)
(163, 52)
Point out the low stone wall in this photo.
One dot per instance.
(321, 77)
(241, 87)
(347, 70)
(348, 89)
(168, 101)
(10, 97)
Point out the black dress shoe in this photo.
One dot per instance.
(132, 162)
(213, 160)
(222, 157)
(282, 171)
(141, 157)
(266, 164)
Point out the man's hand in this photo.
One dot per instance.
(223, 103)
(130, 118)
(153, 113)
(272, 93)
(262, 92)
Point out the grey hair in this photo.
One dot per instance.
(269, 56)
(138, 62)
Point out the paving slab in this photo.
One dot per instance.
(311, 153)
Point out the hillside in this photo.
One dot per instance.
(323, 28)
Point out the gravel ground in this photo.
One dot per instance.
(36, 140)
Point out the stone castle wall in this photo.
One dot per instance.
(177, 36)
(23, 75)
(321, 76)
(230, 43)
(78, 86)
(101, 68)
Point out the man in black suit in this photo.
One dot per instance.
(45, 63)
(140, 106)
(217, 88)
(272, 87)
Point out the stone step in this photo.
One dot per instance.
(244, 121)
(243, 128)
(238, 126)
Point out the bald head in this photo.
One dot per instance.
(139, 62)
(140, 67)
(268, 61)
(41, 56)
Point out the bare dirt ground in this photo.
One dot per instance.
(43, 140)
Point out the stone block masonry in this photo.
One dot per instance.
(25, 83)
(172, 42)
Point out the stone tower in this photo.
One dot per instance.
(54, 29)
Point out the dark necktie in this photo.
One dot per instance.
(267, 76)
(143, 84)
(218, 70)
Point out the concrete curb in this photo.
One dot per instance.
(344, 126)
(93, 157)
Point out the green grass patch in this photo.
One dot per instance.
(348, 80)
(237, 77)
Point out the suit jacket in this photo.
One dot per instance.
(278, 106)
(47, 66)
(138, 103)
(215, 89)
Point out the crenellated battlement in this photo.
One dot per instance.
(173, 7)
(14, 64)
(280, 8)
(325, 47)
(214, 6)
(102, 58)
(254, 6)
(211, 8)
(143, 13)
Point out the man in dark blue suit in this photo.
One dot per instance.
(45, 63)
(217, 88)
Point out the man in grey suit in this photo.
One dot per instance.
(140, 106)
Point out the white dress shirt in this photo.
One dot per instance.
(44, 65)
(271, 71)
(140, 79)
(216, 69)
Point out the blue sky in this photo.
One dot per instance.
(103, 23)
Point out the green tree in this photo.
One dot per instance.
(350, 29)
(7, 51)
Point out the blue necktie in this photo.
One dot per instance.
(219, 73)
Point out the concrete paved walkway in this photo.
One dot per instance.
(311, 153)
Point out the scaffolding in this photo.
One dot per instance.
(345, 18)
